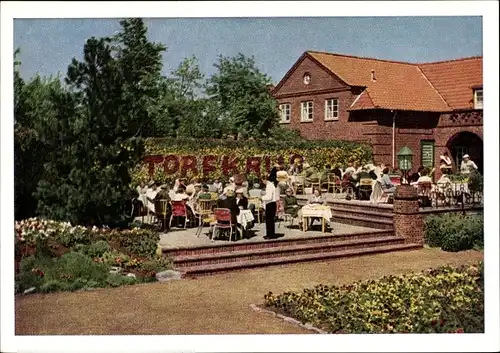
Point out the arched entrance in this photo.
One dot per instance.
(466, 143)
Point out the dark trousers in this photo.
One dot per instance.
(270, 217)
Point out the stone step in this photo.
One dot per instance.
(363, 221)
(368, 214)
(362, 206)
(285, 251)
(196, 271)
(230, 247)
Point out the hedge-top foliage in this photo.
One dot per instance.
(316, 153)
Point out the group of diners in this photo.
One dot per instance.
(235, 195)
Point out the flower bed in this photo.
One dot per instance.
(442, 300)
(53, 256)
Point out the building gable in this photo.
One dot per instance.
(321, 79)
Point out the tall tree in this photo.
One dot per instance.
(101, 119)
(34, 115)
(239, 91)
(180, 110)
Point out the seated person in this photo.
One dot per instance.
(194, 196)
(241, 200)
(216, 186)
(413, 178)
(424, 176)
(363, 174)
(180, 195)
(163, 214)
(290, 203)
(229, 202)
(316, 198)
(387, 185)
(151, 194)
(337, 172)
(295, 167)
(142, 189)
(204, 193)
(350, 169)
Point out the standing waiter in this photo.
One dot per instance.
(270, 200)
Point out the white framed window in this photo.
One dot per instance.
(306, 111)
(478, 98)
(332, 109)
(285, 112)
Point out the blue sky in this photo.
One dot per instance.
(48, 45)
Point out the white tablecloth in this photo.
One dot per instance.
(244, 218)
(319, 211)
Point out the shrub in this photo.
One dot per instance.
(115, 280)
(94, 250)
(54, 286)
(439, 300)
(139, 242)
(453, 232)
(158, 264)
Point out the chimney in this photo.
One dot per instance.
(374, 79)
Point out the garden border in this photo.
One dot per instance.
(288, 319)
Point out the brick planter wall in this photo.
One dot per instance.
(408, 221)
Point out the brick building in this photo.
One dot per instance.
(431, 107)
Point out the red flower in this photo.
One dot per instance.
(442, 323)
(433, 322)
(460, 330)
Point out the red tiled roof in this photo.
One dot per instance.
(456, 79)
(405, 86)
(363, 101)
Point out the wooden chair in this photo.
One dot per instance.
(161, 210)
(365, 188)
(223, 221)
(281, 215)
(424, 190)
(257, 201)
(333, 181)
(300, 183)
(316, 184)
(179, 209)
(204, 212)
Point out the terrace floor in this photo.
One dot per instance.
(178, 237)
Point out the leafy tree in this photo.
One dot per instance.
(33, 113)
(241, 97)
(180, 112)
(101, 118)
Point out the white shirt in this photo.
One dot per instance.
(467, 167)
(272, 193)
(151, 194)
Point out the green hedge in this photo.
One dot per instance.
(455, 232)
(441, 300)
(316, 153)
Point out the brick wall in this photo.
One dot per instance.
(322, 86)
(374, 127)
(408, 221)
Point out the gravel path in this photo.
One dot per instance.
(217, 304)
